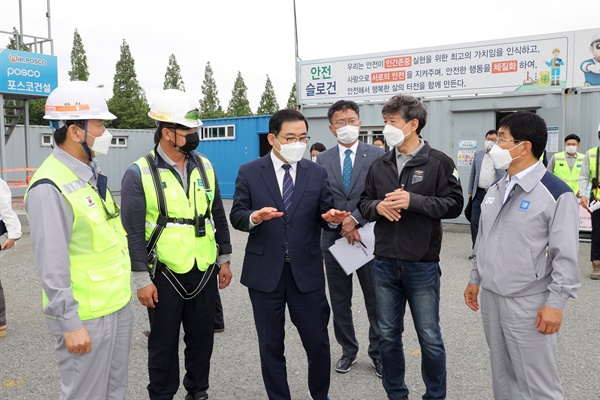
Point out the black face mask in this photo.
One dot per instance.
(192, 140)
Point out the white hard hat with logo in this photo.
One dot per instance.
(176, 107)
(76, 100)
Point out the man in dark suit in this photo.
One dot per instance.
(283, 200)
(347, 165)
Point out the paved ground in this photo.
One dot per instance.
(28, 368)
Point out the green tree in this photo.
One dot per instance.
(12, 42)
(79, 66)
(36, 106)
(129, 102)
(292, 102)
(268, 100)
(37, 111)
(173, 78)
(210, 106)
(239, 106)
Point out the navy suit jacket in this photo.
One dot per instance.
(256, 187)
(347, 201)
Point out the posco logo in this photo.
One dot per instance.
(27, 60)
(22, 72)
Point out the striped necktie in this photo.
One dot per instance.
(288, 187)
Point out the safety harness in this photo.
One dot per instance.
(161, 223)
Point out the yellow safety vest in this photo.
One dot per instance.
(562, 171)
(593, 174)
(98, 253)
(178, 246)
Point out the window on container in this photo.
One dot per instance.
(118, 141)
(47, 140)
(222, 132)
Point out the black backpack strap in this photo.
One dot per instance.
(207, 188)
(162, 213)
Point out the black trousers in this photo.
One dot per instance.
(309, 312)
(476, 213)
(595, 253)
(198, 318)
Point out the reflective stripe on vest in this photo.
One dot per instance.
(100, 265)
(178, 246)
(562, 170)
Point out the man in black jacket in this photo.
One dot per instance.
(408, 191)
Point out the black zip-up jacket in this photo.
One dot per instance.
(435, 194)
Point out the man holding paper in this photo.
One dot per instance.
(347, 165)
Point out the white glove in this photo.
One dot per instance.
(592, 67)
(594, 205)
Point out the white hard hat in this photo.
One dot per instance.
(76, 100)
(177, 107)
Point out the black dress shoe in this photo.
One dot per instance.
(197, 396)
(344, 364)
(378, 367)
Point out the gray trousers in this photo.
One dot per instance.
(100, 374)
(523, 360)
(340, 293)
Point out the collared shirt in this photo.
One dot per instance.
(342, 151)
(402, 159)
(487, 174)
(280, 172)
(182, 174)
(51, 223)
(510, 182)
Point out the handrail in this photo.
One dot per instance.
(19, 183)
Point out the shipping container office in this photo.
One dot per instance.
(227, 142)
(457, 125)
(231, 142)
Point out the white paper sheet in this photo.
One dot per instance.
(352, 257)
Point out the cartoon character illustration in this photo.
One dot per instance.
(591, 67)
(554, 64)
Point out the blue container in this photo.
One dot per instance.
(231, 142)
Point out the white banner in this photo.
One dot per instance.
(535, 63)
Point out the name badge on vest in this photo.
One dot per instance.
(489, 200)
(90, 201)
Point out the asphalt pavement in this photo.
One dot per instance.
(28, 364)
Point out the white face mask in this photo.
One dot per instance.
(292, 153)
(571, 149)
(489, 144)
(394, 137)
(313, 159)
(101, 143)
(347, 134)
(501, 157)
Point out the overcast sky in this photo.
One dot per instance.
(257, 37)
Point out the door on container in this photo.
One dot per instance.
(468, 135)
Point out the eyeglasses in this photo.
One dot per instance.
(294, 140)
(502, 140)
(342, 122)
